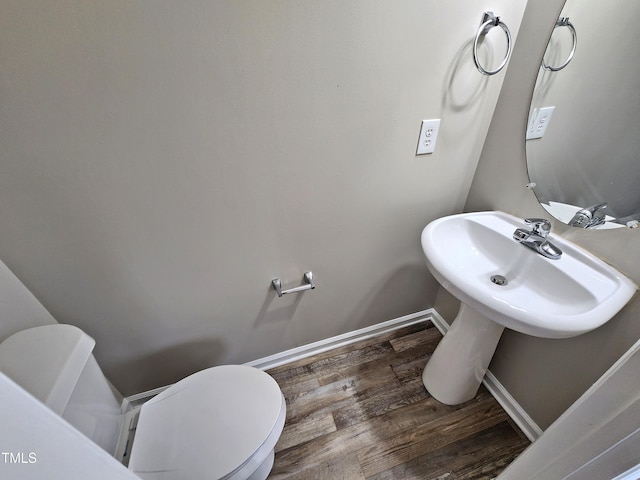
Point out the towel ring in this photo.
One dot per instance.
(489, 20)
(564, 22)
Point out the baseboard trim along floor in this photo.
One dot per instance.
(497, 390)
(327, 344)
(298, 353)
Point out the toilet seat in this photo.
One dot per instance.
(209, 425)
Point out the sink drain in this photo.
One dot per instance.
(498, 280)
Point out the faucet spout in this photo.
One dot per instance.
(589, 217)
(536, 238)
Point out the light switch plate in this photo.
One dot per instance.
(428, 136)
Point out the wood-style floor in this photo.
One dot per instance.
(361, 412)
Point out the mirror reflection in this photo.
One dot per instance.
(583, 141)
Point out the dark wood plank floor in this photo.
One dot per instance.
(361, 412)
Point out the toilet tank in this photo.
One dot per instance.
(56, 365)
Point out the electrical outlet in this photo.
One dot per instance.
(538, 122)
(428, 136)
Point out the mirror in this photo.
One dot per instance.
(584, 165)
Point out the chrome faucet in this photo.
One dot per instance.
(589, 217)
(536, 238)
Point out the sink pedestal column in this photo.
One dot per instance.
(456, 368)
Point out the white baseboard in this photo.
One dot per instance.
(497, 390)
(142, 397)
(289, 356)
(632, 474)
(518, 414)
(322, 346)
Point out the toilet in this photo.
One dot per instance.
(220, 423)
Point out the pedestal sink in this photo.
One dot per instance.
(501, 283)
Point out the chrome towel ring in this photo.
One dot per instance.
(489, 20)
(564, 22)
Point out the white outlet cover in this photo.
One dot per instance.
(538, 122)
(428, 136)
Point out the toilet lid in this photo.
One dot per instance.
(207, 425)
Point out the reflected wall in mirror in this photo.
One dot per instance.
(586, 165)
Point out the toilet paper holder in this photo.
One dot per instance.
(307, 278)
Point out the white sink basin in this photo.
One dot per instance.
(543, 297)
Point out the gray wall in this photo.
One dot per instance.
(19, 309)
(161, 162)
(546, 376)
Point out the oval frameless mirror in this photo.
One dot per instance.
(582, 140)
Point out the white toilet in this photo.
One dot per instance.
(219, 423)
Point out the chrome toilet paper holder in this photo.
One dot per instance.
(308, 285)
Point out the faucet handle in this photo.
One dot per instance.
(539, 226)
